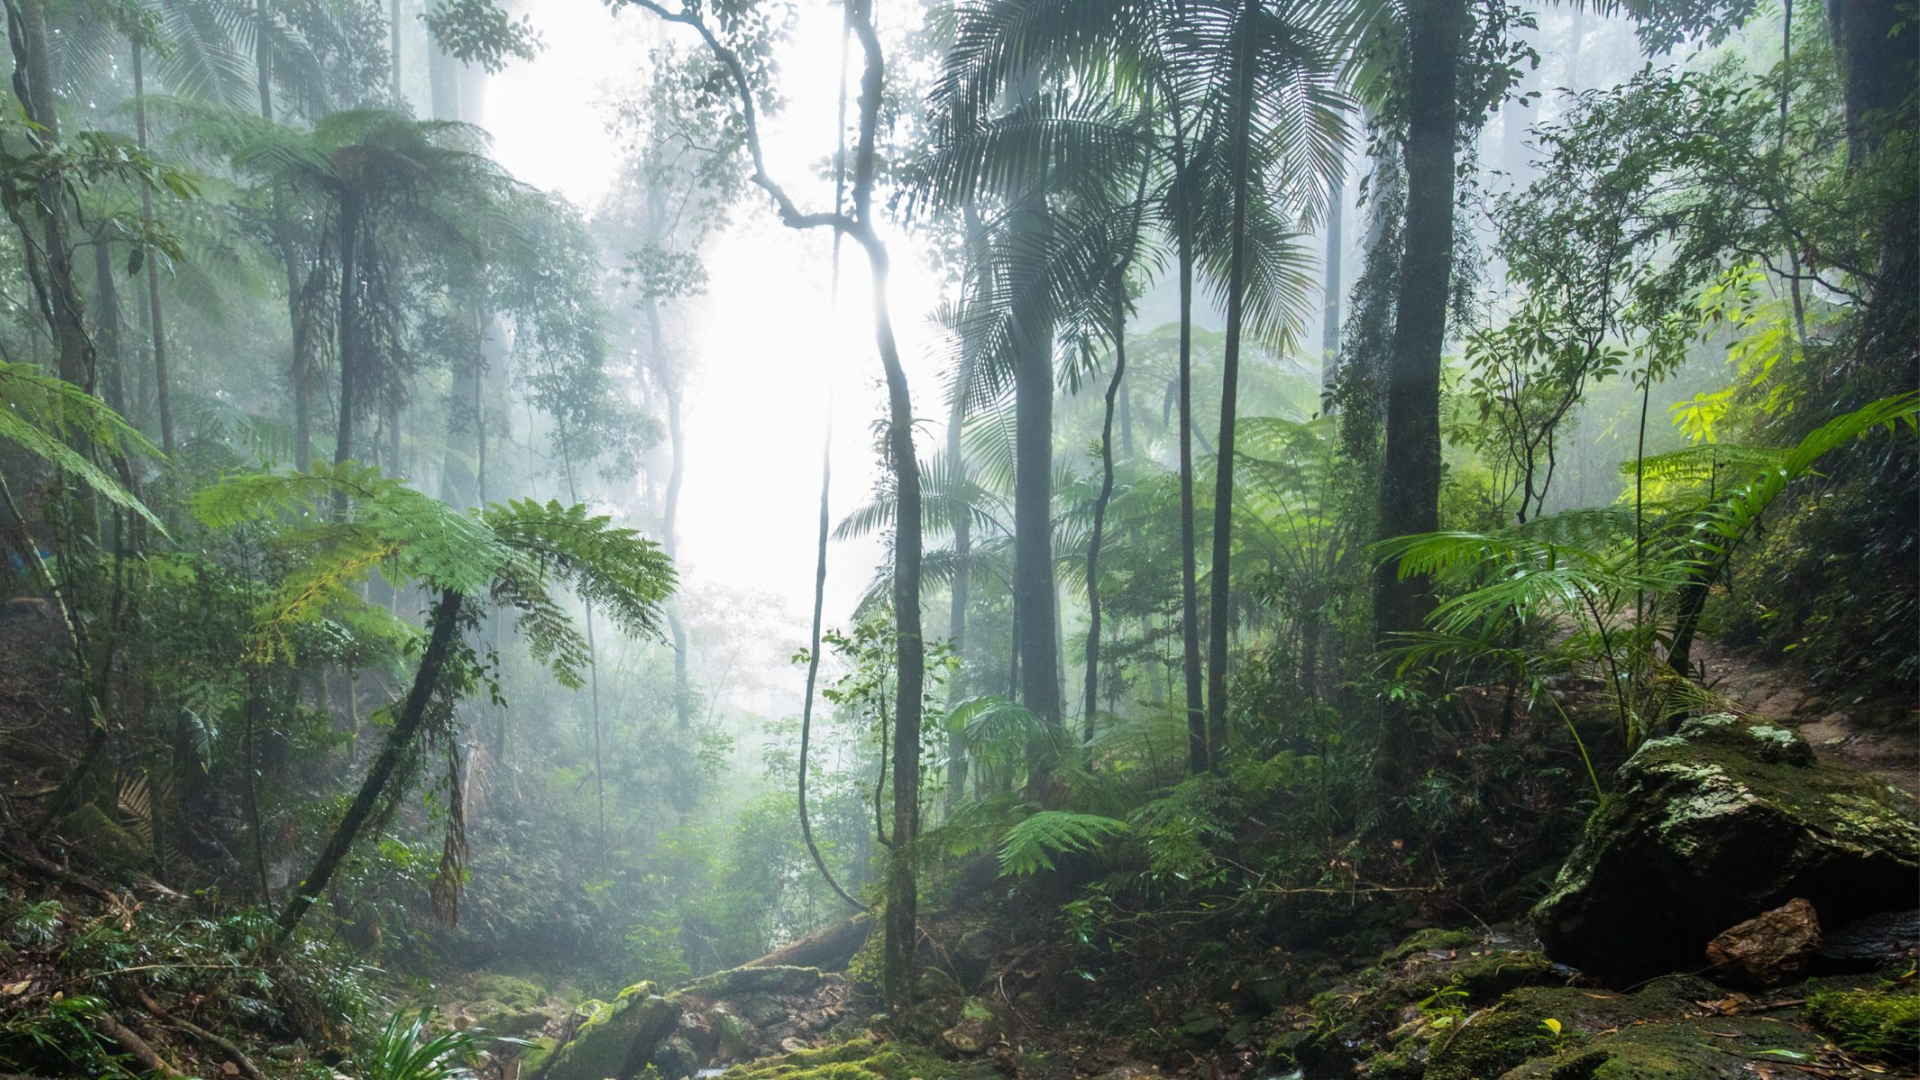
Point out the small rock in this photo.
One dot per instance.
(1132, 1070)
(793, 1046)
(1768, 949)
(977, 1028)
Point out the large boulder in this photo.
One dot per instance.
(1711, 826)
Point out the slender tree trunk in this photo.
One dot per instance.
(676, 438)
(813, 669)
(1220, 616)
(440, 645)
(393, 31)
(1410, 491)
(1092, 691)
(106, 323)
(162, 379)
(1330, 289)
(352, 378)
(960, 520)
(1033, 584)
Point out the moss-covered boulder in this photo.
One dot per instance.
(1711, 826)
(713, 1022)
(618, 1039)
(1658, 1033)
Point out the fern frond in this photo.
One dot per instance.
(1032, 845)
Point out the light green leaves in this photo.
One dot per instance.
(51, 418)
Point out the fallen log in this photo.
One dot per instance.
(829, 949)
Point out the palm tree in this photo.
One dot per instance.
(1219, 97)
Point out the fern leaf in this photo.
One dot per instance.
(1032, 845)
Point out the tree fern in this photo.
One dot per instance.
(517, 554)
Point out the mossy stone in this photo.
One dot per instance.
(103, 842)
(859, 1059)
(616, 1041)
(1430, 940)
(1711, 826)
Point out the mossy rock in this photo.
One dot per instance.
(1434, 939)
(1417, 997)
(102, 842)
(1711, 826)
(504, 1005)
(617, 1040)
(859, 1059)
(1654, 1034)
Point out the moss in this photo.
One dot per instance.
(1650, 1035)
(1489, 1044)
(859, 1059)
(509, 991)
(1495, 974)
(103, 842)
(614, 1035)
(1882, 1023)
(1432, 939)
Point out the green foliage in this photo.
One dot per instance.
(1592, 569)
(1032, 845)
(516, 553)
(408, 1049)
(479, 32)
(58, 422)
(1882, 1023)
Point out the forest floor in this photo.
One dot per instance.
(1879, 736)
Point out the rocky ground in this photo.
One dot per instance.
(1740, 907)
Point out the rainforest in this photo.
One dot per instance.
(960, 540)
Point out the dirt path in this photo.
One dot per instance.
(1876, 736)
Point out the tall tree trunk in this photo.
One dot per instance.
(1033, 586)
(960, 520)
(1410, 490)
(352, 378)
(1331, 281)
(300, 372)
(1874, 45)
(1091, 693)
(393, 31)
(162, 380)
(903, 889)
(669, 543)
(1220, 615)
(60, 296)
(106, 321)
(1197, 755)
(440, 644)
